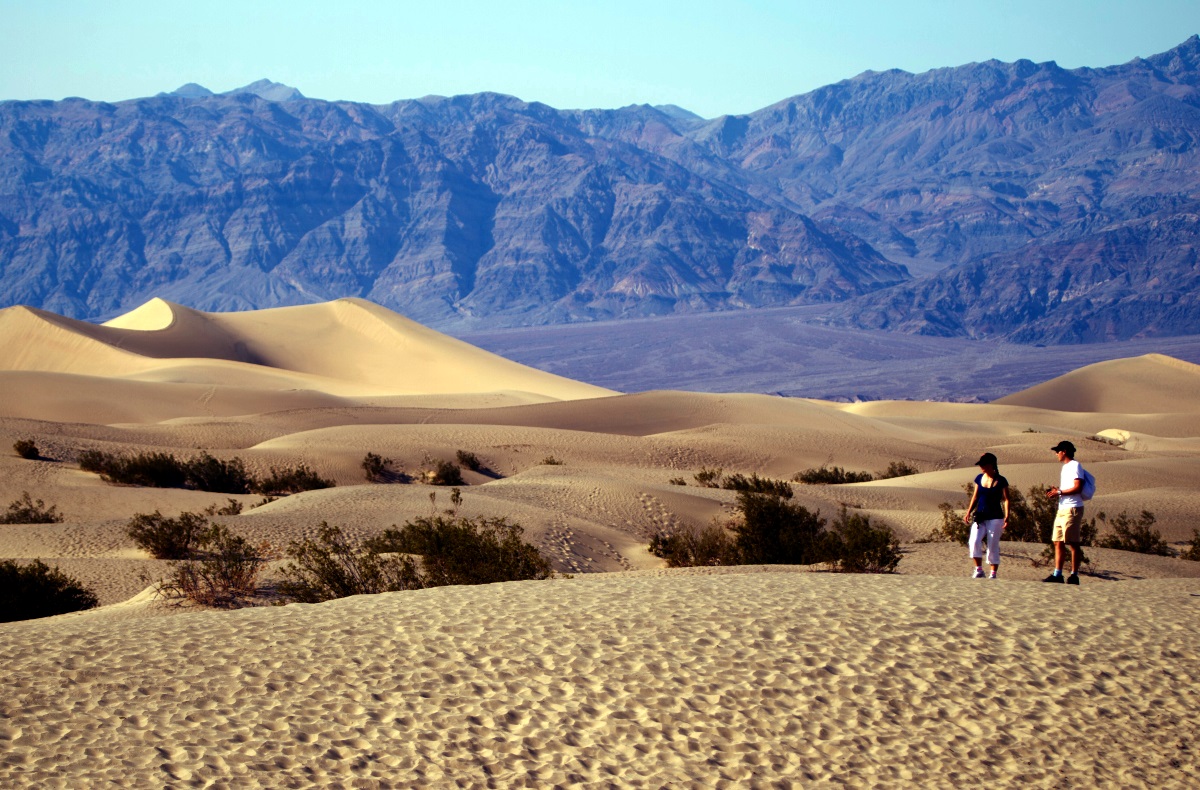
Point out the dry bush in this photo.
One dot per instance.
(376, 467)
(1135, 534)
(332, 566)
(830, 475)
(290, 480)
(689, 547)
(757, 485)
(437, 472)
(1193, 550)
(225, 571)
(858, 546)
(27, 449)
(30, 511)
(468, 461)
(465, 550)
(550, 460)
(167, 538)
(897, 469)
(709, 478)
(37, 590)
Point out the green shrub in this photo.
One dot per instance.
(774, 531)
(167, 538)
(206, 473)
(953, 528)
(27, 449)
(831, 475)
(224, 573)
(29, 511)
(37, 590)
(465, 550)
(93, 460)
(709, 478)
(290, 480)
(1193, 551)
(689, 547)
(331, 566)
(858, 546)
(1135, 534)
(898, 469)
(153, 470)
(757, 485)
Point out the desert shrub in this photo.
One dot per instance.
(757, 485)
(93, 460)
(468, 461)
(332, 566)
(290, 480)
(152, 470)
(465, 550)
(550, 460)
(677, 481)
(952, 528)
(37, 590)
(774, 531)
(30, 511)
(375, 466)
(708, 478)
(231, 508)
(1193, 550)
(206, 473)
(1135, 534)
(831, 475)
(224, 573)
(858, 546)
(167, 538)
(690, 547)
(898, 469)
(27, 449)
(441, 473)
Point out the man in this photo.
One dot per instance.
(1068, 522)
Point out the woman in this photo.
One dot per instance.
(987, 513)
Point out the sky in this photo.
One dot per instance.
(713, 57)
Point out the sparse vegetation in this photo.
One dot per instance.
(689, 547)
(1135, 534)
(231, 508)
(708, 478)
(757, 485)
(858, 546)
(224, 571)
(897, 469)
(167, 538)
(550, 460)
(468, 460)
(332, 566)
(30, 511)
(677, 481)
(202, 473)
(37, 590)
(465, 550)
(1193, 550)
(27, 449)
(290, 480)
(436, 472)
(831, 475)
(776, 532)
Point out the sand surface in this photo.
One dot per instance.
(633, 677)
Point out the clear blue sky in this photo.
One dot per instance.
(710, 56)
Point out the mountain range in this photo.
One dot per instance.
(1014, 200)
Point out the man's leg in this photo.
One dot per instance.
(1075, 553)
(1058, 556)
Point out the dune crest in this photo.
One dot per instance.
(1152, 383)
(347, 348)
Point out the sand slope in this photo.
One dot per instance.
(735, 680)
(636, 678)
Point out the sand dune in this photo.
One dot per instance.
(632, 677)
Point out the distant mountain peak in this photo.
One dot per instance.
(271, 91)
(190, 91)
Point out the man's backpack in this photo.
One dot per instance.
(1089, 485)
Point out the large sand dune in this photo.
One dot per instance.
(637, 677)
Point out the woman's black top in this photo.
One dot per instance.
(989, 502)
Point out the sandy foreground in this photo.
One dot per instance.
(634, 677)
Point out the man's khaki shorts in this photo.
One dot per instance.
(1067, 525)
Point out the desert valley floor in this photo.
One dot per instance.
(620, 673)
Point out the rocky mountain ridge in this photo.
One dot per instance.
(1032, 202)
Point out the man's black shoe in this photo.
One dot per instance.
(1056, 578)
(1073, 579)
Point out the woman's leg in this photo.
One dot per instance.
(975, 543)
(994, 528)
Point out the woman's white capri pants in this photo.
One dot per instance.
(992, 529)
